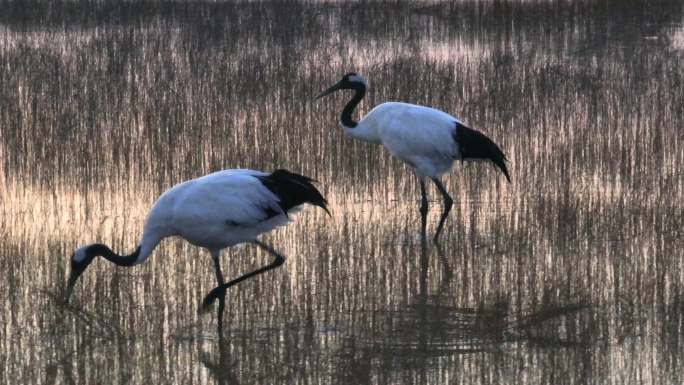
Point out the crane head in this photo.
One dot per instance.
(350, 81)
(80, 259)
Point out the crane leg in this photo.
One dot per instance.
(220, 290)
(448, 202)
(423, 210)
(215, 255)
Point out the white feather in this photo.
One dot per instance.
(420, 136)
(214, 211)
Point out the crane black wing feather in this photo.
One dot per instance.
(475, 145)
(293, 190)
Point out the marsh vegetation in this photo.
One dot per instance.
(574, 273)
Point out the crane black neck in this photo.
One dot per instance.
(346, 116)
(107, 253)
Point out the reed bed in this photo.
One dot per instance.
(571, 274)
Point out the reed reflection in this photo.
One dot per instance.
(221, 365)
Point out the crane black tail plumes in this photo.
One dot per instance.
(475, 145)
(293, 190)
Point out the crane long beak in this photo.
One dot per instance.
(76, 271)
(73, 277)
(329, 91)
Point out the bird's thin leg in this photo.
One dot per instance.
(215, 255)
(448, 202)
(423, 211)
(221, 289)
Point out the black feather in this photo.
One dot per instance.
(475, 145)
(293, 190)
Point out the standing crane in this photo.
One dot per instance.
(426, 139)
(215, 211)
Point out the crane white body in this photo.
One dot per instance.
(215, 211)
(420, 136)
(426, 139)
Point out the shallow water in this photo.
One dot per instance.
(571, 274)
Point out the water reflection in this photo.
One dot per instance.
(221, 366)
(392, 308)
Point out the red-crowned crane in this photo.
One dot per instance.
(215, 211)
(426, 139)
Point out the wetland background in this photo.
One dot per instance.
(571, 274)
